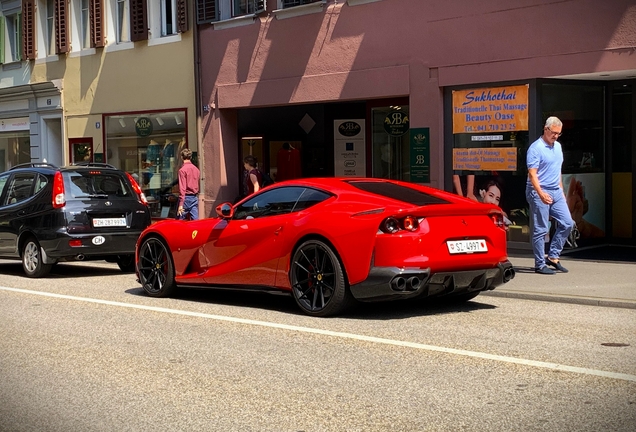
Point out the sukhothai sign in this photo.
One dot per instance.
(487, 110)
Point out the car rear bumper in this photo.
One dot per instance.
(92, 245)
(389, 283)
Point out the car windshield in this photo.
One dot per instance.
(398, 192)
(96, 184)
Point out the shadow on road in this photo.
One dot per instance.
(284, 303)
(63, 270)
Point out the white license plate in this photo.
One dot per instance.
(466, 246)
(109, 222)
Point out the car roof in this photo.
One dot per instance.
(347, 184)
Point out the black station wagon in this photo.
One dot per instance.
(80, 212)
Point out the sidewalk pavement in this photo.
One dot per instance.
(588, 282)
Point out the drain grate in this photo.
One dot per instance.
(615, 344)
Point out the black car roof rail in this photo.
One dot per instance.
(93, 164)
(33, 165)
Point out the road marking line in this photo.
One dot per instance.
(352, 336)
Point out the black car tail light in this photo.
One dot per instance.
(137, 189)
(390, 225)
(58, 191)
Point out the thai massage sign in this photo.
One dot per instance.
(498, 109)
(485, 159)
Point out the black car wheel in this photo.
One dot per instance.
(32, 260)
(317, 280)
(126, 263)
(156, 271)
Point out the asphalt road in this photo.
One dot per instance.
(86, 350)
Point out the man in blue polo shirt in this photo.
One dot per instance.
(544, 192)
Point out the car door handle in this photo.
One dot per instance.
(278, 230)
(22, 213)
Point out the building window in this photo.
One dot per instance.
(168, 17)
(292, 3)
(122, 22)
(218, 10)
(50, 27)
(10, 39)
(85, 24)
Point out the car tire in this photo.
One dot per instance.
(126, 263)
(318, 280)
(32, 260)
(155, 267)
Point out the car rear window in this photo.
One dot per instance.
(96, 184)
(397, 192)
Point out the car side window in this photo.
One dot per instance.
(310, 197)
(19, 188)
(40, 184)
(274, 202)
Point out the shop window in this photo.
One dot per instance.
(390, 142)
(581, 108)
(490, 141)
(15, 149)
(81, 150)
(148, 146)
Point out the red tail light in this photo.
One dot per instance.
(498, 220)
(392, 225)
(137, 189)
(58, 191)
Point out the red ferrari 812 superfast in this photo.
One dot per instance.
(332, 241)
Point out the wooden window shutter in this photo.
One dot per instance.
(61, 27)
(138, 20)
(96, 18)
(206, 11)
(28, 29)
(182, 16)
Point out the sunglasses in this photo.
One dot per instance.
(558, 134)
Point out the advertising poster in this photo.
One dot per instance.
(420, 155)
(349, 152)
(585, 195)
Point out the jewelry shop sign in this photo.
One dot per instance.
(487, 110)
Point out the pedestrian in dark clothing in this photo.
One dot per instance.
(253, 179)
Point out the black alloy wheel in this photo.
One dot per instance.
(156, 271)
(32, 259)
(318, 280)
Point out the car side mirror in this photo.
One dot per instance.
(225, 210)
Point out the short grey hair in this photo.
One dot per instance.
(553, 121)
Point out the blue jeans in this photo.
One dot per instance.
(541, 214)
(190, 207)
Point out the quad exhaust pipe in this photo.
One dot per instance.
(400, 283)
(508, 274)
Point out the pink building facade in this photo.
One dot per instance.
(448, 94)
